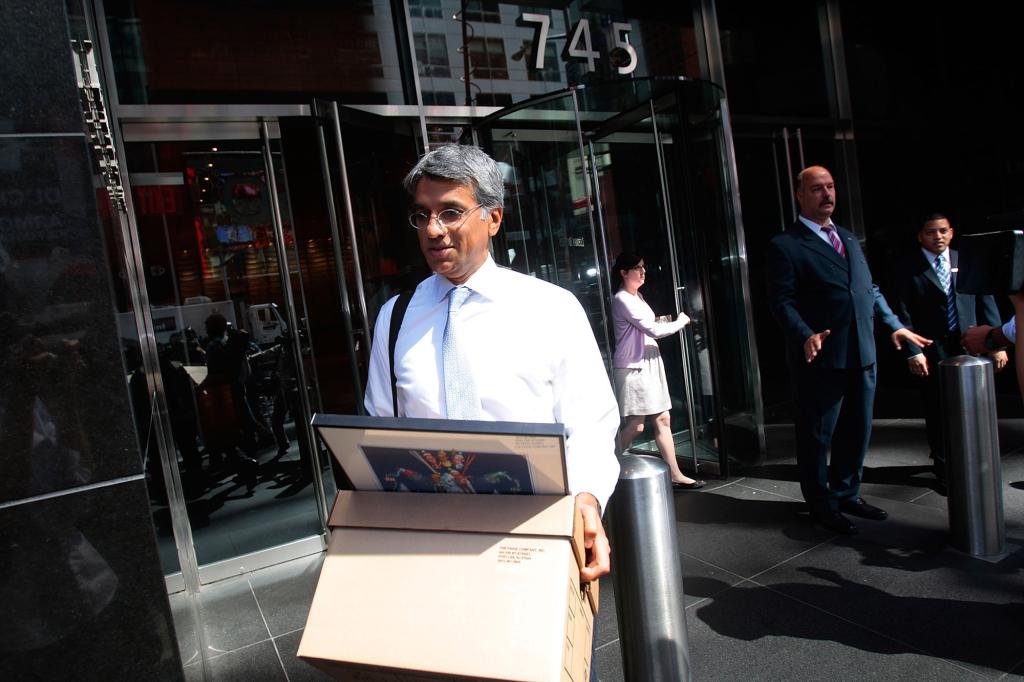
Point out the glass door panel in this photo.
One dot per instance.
(205, 213)
(636, 217)
(708, 247)
(768, 156)
(345, 170)
(689, 243)
(548, 229)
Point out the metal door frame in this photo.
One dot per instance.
(260, 130)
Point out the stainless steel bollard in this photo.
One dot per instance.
(647, 574)
(973, 470)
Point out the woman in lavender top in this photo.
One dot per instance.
(639, 373)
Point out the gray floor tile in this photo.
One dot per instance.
(194, 672)
(1013, 493)
(932, 499)
(285, 592)
(898, 579)
(230, 616)
(891, 603)
(185, 626)
(784, 486)
(752, 633)
(297, 669)
(256, 662)
(608, 662)
(700, 580)
(606, 625)
(1011, 434)
(742, 530)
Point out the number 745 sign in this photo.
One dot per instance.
(579, 46)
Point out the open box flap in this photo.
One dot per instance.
(500, 514)
(541, 515)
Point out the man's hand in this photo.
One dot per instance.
(684, 318)
(812, 346)
(595, 541)
(974, 339)
(918, 365)
(1000, 359)
(907, 335)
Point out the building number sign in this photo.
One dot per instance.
(579, 46)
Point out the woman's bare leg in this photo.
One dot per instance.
(667, 447)
(633, 427)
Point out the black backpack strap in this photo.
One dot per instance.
(397, 315)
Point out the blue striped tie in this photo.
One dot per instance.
(952, 320)
(460, 394)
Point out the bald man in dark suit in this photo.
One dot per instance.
(821, 292)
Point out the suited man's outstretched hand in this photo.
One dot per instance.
(812, 346)
(907, 335)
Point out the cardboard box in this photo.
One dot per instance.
(420, 586)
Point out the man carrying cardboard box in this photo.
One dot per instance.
(476, 341)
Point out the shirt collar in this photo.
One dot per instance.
(486, 281)
(815, 227)
(932, 257)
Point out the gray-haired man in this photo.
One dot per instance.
(524, 350)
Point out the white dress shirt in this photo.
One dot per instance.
(945, 260)
(816, 229)
(533, 356)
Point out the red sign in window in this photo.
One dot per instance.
(158, 200)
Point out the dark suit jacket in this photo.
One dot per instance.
(921, 303)
(812, 288)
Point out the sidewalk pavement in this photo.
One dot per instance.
(768, 596)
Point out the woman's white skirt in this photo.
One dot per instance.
(644, 389)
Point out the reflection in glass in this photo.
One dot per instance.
(546, 231)
(225, 349)
(177, 51)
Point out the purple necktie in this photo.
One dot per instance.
(830, 232)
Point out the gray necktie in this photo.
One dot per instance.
(459, 387)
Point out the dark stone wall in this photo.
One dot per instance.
(82, 595)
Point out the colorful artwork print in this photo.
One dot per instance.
(449, 471)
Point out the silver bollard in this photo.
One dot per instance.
(647, 574)
(973, 470)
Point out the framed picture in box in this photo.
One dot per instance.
(447, 456)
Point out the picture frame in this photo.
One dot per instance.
(446, 456)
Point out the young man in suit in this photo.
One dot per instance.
(928, 304)
(822, 294)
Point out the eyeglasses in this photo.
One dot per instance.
(449, 218)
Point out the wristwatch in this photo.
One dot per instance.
(990, 341)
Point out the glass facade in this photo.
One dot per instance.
(262, 146)
(296, 229)
(627, 184)
(182, 52)
(290, 235)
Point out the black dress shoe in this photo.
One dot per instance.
(835, 522)
(696, 485)
(858, 507)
